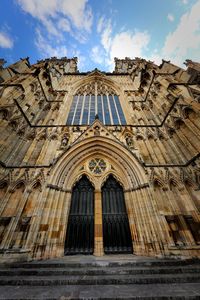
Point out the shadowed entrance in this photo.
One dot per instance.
(116, 231)
(80, 229)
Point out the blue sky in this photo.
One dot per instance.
(96, 31)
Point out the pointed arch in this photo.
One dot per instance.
(19, 184)
(92, 77)
(3, 188)
(157, 182)
(175, 182)
(114, 175)
(12, 205)
(3, 184)
(36, 184)
(128, 168)
(80, 176)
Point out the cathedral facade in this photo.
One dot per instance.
(99, 163)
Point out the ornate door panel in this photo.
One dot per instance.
(116, 230)
(80, 229)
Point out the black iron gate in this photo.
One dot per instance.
(80, 229)
(116, 230)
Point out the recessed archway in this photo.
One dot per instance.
(125, 168)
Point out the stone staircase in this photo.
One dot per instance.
(108, 277)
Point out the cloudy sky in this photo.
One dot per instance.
(96, 31)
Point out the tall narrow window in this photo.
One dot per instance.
(78, 110)
(120, 111)
(86, 110)
(106, 110)
(99, 108)
(72, 109)
(92, 109)
(113, 110)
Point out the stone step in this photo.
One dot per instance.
(83, 277)
(101, 263)
(99, 280)
(99, 271)
(190, 291)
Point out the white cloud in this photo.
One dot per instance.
(81, 59)
(39, 9)
(50, 48)
(51, 12)
(130, 44)
(170, 17)
(51, 28)
(47, 49)
(97, 55)
(123, 44)
(5, 41)
(78, 12)
(100, 24)
(184, 1)
(106, 37)
(64, 25)
(185, 38)
(182, 43)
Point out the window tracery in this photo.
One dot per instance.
(92, 99)
(97, 166)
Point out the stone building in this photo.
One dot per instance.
(99, 162)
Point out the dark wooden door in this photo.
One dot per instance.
(80, 229)
(116, 230)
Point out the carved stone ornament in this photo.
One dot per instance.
(97, 166)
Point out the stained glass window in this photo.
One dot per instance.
(97, 166)
(84, 108)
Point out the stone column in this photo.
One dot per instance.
(130, 214)
(98, 224)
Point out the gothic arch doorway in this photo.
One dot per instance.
(116, 230)
(80, 229)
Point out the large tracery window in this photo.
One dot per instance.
(96, 99)
(85, 107)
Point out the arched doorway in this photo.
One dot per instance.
(80, 229)
(116, 230)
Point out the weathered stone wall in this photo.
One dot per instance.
(155, 156)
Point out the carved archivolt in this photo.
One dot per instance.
(122, 161)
